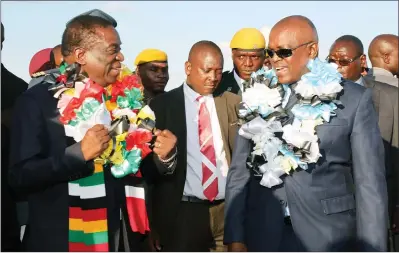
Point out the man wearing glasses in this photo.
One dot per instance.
(385, 99)
(340, 204)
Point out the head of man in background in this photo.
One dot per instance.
(40, 62)
(383, 53)
(56, 56)
(248, 52)
(152, 68)
(348, 53)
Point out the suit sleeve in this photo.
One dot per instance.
(31, 164)
(236, 192)
(369, 176)
(152, 167)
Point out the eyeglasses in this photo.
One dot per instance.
(343, 62)
(285, 52)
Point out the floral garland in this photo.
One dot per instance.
(285, 138)
(83, 104)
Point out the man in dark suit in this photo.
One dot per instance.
(188, 206)
(11, 87)
(348, 53)
(248, 54)
(44, 160)
(383, 54)
(339, 203)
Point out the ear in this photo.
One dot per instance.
(313, 50)
(187, 68)
(80, 56)
(386, 58)
(363, 61)
(138, 71)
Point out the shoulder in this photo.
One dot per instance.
(231, 98)
(167, 97)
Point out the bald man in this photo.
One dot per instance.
(248, 55)
(347, 52)
(383, 54)
(188, 207)
(340, 204)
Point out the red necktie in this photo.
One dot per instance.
(208, 156)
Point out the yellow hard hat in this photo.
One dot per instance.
(149, 55)
(248, 38)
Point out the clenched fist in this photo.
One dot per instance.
(165, 144)
(95, 142)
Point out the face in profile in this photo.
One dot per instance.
(102, 62)
(247, 61)
(204, 71)
(154, 76)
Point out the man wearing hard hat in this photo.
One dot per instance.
(248, 53)
(152, 68)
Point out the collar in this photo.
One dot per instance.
(238, 78)
(191, 94)
(380, 72)
(360, 81)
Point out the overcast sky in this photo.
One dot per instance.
(175, 26)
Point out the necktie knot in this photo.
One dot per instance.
(200, 99)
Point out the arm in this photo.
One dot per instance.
(236, 193)
(394, 154)
(32, 165)
(369, 176)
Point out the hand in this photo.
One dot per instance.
(237, 247)
(154, 242)
(94, 142)
(165, 144)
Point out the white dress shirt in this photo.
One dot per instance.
(193, 186)
(239, 81)
(360, 81)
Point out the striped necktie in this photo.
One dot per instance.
(208, 154)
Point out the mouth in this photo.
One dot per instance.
(280, 70)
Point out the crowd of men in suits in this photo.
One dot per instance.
(199, 194)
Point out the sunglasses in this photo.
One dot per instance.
(284, 52)
(343, 62)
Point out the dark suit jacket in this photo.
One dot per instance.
(11, 88)
(228, 83)
(385, 99)
(167, 190)
(341, 198)
(43, 161)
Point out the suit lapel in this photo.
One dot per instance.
(221, 109)
(177, 114)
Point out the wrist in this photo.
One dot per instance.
(170, 157)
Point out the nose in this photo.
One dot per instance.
(212, 76)
(120, 56)
(248, 62)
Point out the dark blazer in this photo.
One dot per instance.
(43, 161)
(11, 88)
(228, 83)
(341, 198)
(385, 99)
(167, 191)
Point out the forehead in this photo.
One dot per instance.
(157, 64)
(248, 52)
(109, 35)
(343, 48)
(284, 37)
(209, 58)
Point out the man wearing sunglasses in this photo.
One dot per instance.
(248, 53)
(340, 204)
(385, 99)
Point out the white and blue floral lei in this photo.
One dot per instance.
(283, 143)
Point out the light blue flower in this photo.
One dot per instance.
(321, 73)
